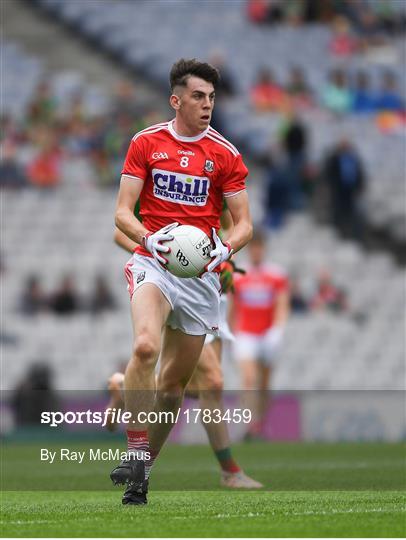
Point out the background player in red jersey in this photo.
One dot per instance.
(181, 171)
(261, 309)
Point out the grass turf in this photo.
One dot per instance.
(317, 490)
(205, 514)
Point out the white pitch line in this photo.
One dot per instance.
(249, 515)
(222, 516)
(40, 521)
(289, 514)
(349, 511)
(28, 522)
(390, 464)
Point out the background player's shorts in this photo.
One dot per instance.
(195, 302)
(224, 330)
(255, 347)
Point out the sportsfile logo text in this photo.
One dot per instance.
(180, 188)
(113, 415)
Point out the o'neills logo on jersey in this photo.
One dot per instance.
(180, 188)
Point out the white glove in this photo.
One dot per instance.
(152, 242)
(273, 339)
(220, 253)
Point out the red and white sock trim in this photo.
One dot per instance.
(137, 441)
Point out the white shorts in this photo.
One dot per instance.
(255, 347)
(224, 330)
(195, 302)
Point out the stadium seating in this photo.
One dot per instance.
(65, 85)
(72, 231)
(49, 233)
(17, 65)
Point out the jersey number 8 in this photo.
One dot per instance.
(184, 161)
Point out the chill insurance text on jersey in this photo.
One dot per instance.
(185, 178)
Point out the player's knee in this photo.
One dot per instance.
(145, 350)
(116, 381)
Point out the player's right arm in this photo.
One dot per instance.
(127, 223)
(128, 195)
(133, 176)
(123, 241)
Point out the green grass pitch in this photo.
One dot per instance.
(311, 490)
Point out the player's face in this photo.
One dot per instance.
(194, 104)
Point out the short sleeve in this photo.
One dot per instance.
(234, 181)
(135, 163)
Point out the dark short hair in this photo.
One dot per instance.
(183, 69)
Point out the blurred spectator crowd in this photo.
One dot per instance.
(369, 19)
(326, 296)
(35, 147)
(66, 299)
(55, 126)
(291, 180)
(341, 94)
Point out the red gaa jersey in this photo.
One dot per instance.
(255, 298)
(185, 178)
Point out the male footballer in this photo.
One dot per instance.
(181, 171)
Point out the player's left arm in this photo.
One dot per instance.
(241, 232)
(226, 222)
(282, 308)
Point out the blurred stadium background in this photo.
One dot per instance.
(302, 81)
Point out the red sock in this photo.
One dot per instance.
(137, 441)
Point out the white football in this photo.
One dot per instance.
(190, 251)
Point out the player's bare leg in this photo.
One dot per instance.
(115, 386)
(264, 374)
(209, 381)
(250, 394)
(217, 347)
(149, 310)
(179, 357)
(208, 377)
